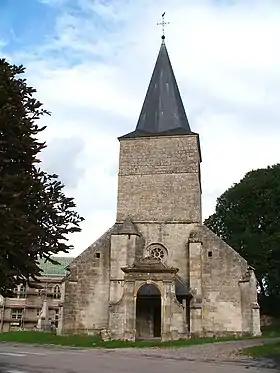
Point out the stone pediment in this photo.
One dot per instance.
(150, 260)
(151, 265)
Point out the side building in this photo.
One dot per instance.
(32, 308)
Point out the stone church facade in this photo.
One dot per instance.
(158, 272)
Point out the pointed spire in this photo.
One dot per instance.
(163, 109)
(128, 227)
(163, 112)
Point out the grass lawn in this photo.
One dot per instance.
(270, 349)
(93, 341)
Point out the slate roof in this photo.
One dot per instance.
(50, 269)
(163, 111)
(181, 287)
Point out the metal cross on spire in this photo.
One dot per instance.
(163, 24)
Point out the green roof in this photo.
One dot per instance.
(50, 269)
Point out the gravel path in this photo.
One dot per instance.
(226, 352)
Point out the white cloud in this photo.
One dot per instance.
(60, 157)
(94, 72)
(3, 43)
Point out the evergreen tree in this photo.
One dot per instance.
(35, 214)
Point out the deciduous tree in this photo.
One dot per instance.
(247, 217)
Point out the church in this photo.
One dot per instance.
(158, 272)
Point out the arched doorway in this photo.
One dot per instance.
(148, 312)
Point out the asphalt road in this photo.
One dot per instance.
(33, 359)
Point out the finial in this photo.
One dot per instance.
(163, 24)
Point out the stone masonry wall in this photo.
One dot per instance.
(159, 179)
(122, 255)
(85, 307)
(221, 270)
(174, 237)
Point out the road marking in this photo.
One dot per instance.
(21, 353)
(31, 353)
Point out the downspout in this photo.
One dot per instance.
(2, 315)
(23, 316)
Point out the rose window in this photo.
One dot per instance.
(157, 253)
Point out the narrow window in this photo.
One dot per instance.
(97, 255)
(17, 313)
(22, 291)
(56, 292)
(56, 318)
(210, 254)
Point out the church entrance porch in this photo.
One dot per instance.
(149, 306)
(148, 312)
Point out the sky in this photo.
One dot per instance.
(91, 62)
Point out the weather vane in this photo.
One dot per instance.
(163, 24)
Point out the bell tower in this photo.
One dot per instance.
(159, 165)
